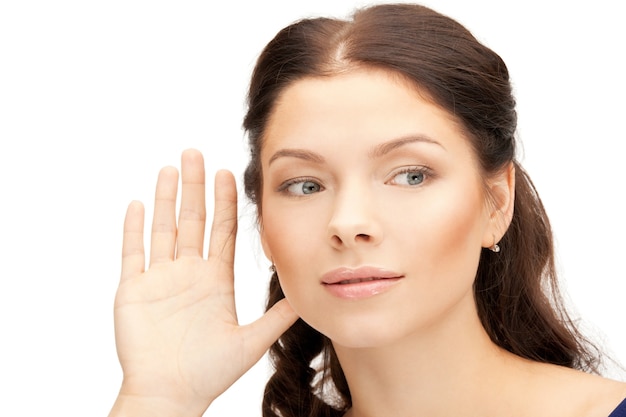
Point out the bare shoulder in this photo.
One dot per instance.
(574, 393)
(599, 396)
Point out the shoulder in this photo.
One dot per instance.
(620, 411)
(574, 393)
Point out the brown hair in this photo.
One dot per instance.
(516, 290)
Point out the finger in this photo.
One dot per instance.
(163, 238)
(262, 333)
(192, 216)
(133, 258)
(224, 227)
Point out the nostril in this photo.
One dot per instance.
(362, 236)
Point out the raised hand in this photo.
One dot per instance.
(177, 335)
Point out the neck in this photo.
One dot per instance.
(448, 369)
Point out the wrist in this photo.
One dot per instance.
(136, 403)
(129, 406)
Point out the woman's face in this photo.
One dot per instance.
(373, 209)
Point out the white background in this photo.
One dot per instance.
(96, 96)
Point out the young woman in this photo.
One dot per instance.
(413, 268)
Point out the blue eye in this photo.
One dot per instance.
(410, 177)
(302, 187)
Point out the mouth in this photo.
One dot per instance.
(359, 283)
(343, 276)
(357, 280)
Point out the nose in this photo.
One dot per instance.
(354, 220)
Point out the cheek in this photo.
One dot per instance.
(459, 225)
(442, 230)
(289, 243)
(298, 245)
(452, 229)
(289, 236)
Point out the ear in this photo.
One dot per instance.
(501, 194)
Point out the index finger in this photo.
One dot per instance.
(224, 227)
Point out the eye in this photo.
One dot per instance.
(410, 177)
(300, 187)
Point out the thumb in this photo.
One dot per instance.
(262, 333)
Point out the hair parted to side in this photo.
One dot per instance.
(515, 290)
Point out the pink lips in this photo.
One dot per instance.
(358, 283)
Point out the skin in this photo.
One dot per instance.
(366, 213)
(177, 336)
(416, 349)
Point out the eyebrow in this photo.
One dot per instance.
(297, 153)
(385, 148)
(377, 152)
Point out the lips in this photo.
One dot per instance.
(344, 276)
(359, 283)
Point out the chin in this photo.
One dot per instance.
(360, 333)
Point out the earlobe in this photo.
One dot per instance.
(502, 197)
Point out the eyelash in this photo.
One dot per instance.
(426, 172)
(284, 187)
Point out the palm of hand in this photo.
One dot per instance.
(172, 322)
(176, 325)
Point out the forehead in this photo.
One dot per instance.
(369, 103)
